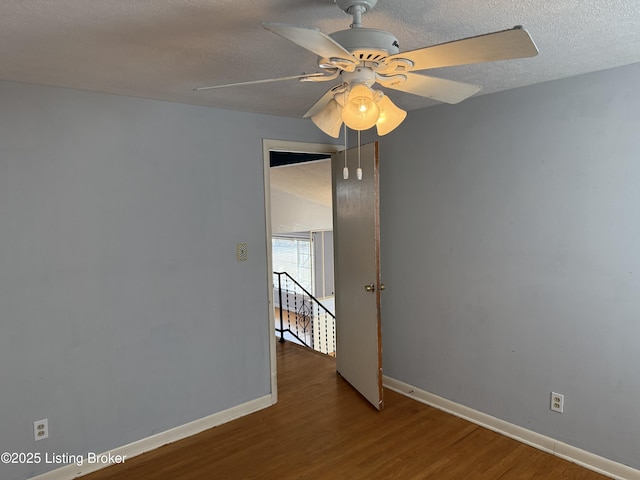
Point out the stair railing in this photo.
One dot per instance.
(303, 316)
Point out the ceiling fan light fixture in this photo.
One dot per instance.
(390, 116)
(329, 119)
(363, 57)
(360, 111)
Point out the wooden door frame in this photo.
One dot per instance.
(269, 145)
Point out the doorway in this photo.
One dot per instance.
(293, 149)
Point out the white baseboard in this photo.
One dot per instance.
(69, 472)
(583, 458)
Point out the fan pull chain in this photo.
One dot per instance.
(359, 170)
(345, 170)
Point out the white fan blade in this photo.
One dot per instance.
(446, 91)
(313, 40)
(323, 101)
(503, 45)
(268, 80)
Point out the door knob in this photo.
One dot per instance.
(382, 286)
(370, 288)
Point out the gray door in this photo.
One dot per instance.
(356, 227)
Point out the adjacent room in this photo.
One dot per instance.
(137, 223)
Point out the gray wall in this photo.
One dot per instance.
(123, 310)
(511, 252)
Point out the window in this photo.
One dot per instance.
(292, 254)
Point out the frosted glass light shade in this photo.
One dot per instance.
(360, 112)
(390, 116)
(329, 119)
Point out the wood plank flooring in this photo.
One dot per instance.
(322, 429)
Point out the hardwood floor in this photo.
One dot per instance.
(322, 429)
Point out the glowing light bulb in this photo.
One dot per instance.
(360, 112)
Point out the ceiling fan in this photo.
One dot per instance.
(361, 57)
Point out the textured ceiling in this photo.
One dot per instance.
(163, 49)
(309, 180)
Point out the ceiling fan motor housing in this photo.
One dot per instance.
(367, 44)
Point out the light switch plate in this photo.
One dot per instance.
(241, 252)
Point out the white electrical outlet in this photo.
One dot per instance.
(557, 402)
(41, 429)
